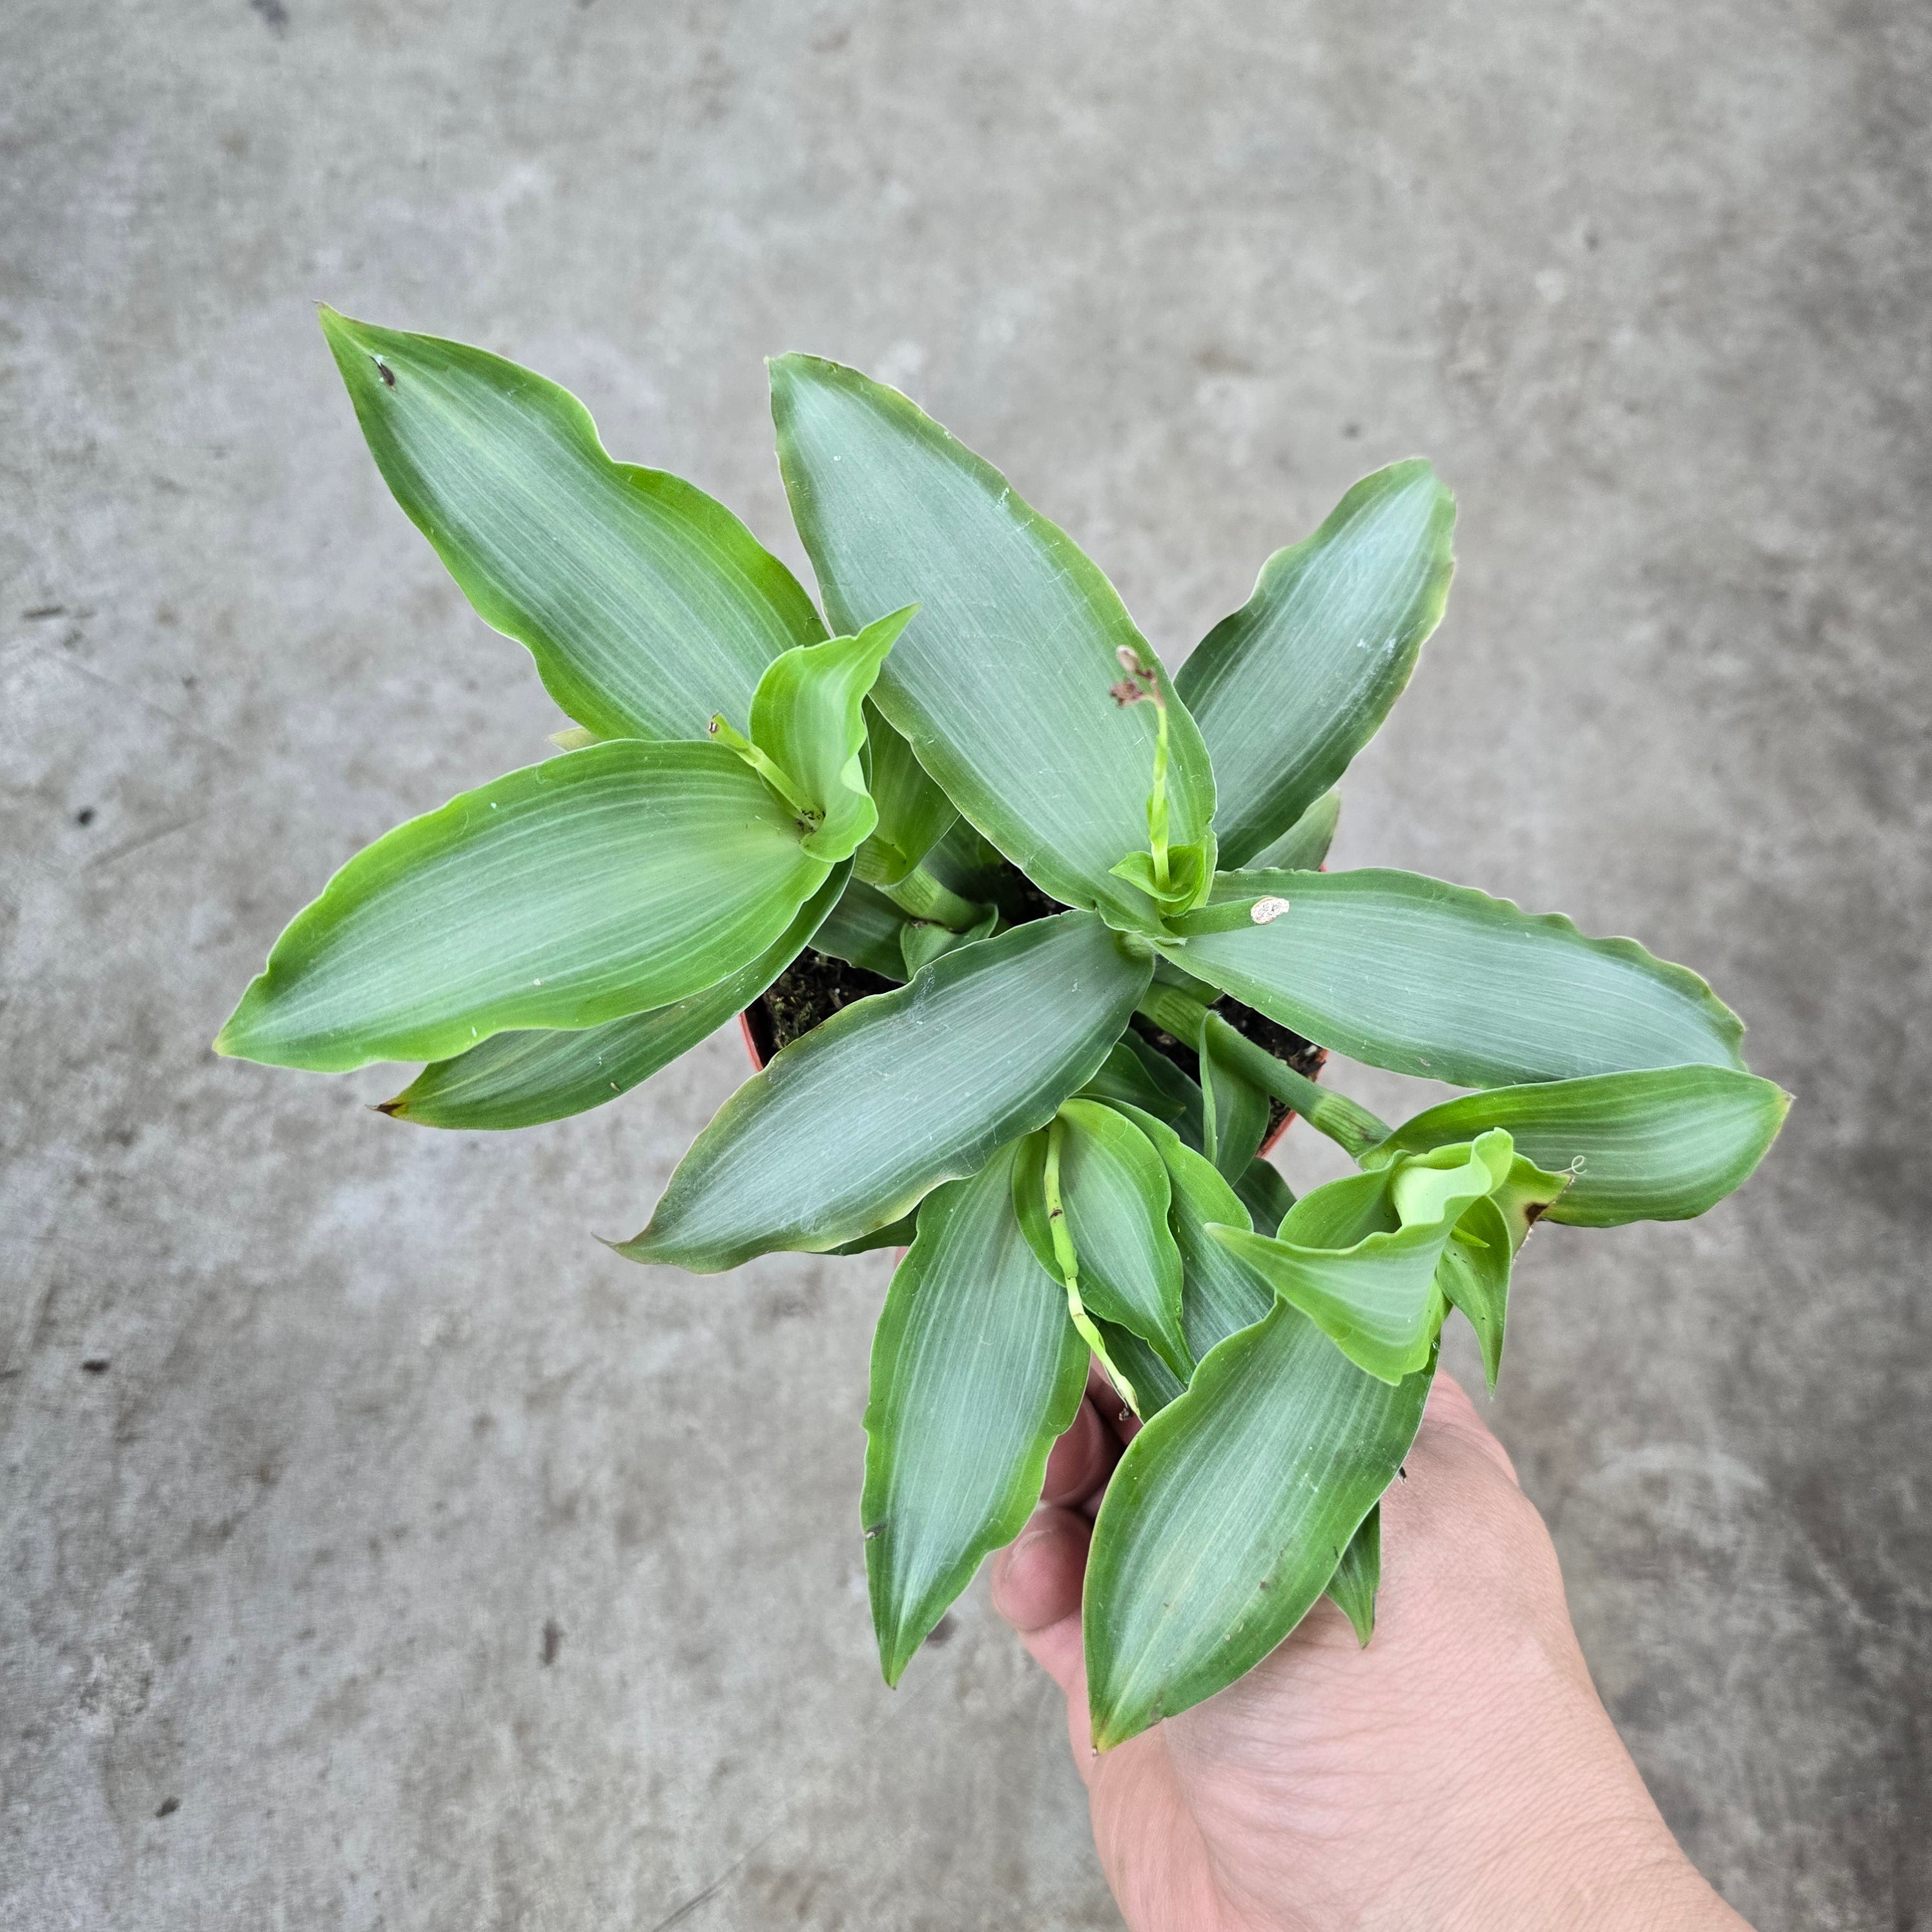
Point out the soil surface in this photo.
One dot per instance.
(812, 989)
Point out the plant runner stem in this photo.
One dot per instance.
(1352, 1127)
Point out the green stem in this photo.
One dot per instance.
(773, 775)
(1068, 1257)
(922, 895)
(1351, 1126)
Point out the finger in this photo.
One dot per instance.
(1037, 1581)
(1082, 1459)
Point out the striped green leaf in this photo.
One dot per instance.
(1228, 1515)
(807, 718)
(1113, 1193)
(1373, 1289)
(1660, 1145)
(523, 1079)
(1122, 1079)
(1236, 1110)
(1001, 684)
(850, 1127)
(1474, 1274)
(976, 1370)
(1407, 972)
(1359, 1575)
(914, 814)
(608, 880)
(1292, 686)
(647, 606)
(1220, 1295)
(864, 929)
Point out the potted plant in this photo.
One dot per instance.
(1052, 948)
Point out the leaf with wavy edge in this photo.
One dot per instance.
(850, 1127)
(807, 733)
(1371, 1288)
(1419, 976)
(1292, 686)
(1660, 1145)
(1001, 684)
(621, 877)
(1228, 1514)
(524, 1079)
(647, 605)
(975, 1371)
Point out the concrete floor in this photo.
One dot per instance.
(414, 1562)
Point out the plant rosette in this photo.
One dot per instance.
(971, 792)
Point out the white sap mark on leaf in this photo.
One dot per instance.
(1263, 912)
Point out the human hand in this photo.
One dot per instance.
(1459, 1772)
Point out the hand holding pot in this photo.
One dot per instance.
(1461, 1772)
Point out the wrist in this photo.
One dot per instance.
(1619, 1874)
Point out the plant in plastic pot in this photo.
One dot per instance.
(1041, 948)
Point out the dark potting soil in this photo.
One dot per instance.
(812, 989)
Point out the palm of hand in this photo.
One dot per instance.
(1460, 1771)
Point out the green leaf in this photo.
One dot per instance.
(1114, 1189)
(1190, 874)
(923, 941)
(863, 929)
(898, 1234)
(1662, 1145)
(850, 1126)
(1002, 683)
(1292, 686)
(1378, 1302)
(807, 718)
(1377, 1297)
(975, 1371)
(1122, 1078)
(522, 1079)
(1361, 1257)
(1228, 1513)
(647, 606)
(1303, 846)
(1359, 1575)
(914, 814)
(1236, 1109)
(621, 877)
(1186, 1110)
(1264, 1194)
(1474, 1274)
(1220, 1295)
(1420, 977)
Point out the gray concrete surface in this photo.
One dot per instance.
(1649, 282)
